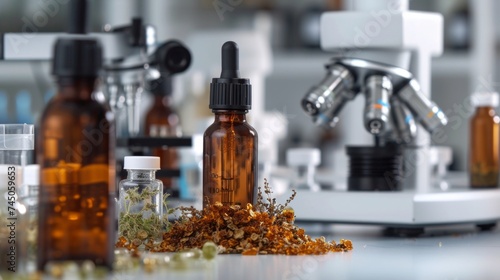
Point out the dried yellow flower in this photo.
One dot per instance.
(266, 228)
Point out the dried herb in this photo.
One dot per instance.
(264, 228)
(143, 227)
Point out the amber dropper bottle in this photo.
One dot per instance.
(77, 165)
(484, 141)
(230, 143)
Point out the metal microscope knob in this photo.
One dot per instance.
(378, 90)
(428, 114)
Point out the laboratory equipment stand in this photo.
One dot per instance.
(405, 212)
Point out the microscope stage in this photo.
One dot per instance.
(404, 208)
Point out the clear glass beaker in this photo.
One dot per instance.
(16, 144)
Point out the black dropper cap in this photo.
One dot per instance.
(77, 17)
(78, 56)
(230, 92)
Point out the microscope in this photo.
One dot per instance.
(133, 61)
(385, 56)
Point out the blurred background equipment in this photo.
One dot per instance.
(387, 65)
(281, 42)
(26, 87)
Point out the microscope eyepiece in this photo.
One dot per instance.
(173, 57)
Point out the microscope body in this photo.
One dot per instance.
(384, 52)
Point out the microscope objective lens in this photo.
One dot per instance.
(375, 127)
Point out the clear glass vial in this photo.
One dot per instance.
(141, 192)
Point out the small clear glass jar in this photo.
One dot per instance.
(140, 198)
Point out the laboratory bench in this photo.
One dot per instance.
(448, 253)
(451, 252)
(442, 253)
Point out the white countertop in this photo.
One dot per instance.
(446, 253)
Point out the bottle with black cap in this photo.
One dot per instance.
(230, 143)
(77, 165)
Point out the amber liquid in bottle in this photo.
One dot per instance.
(484, 145)
(77, 182)
(229, 160)
(163, 121)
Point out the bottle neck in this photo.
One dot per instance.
(162, 101)
(141, 175)
(485, 111)
(77, 87)
(234, 116)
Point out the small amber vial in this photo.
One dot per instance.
(484, 141)
(163, 121)
(230, 143)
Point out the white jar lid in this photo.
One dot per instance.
(141, 162)
(303, 156)
(485, 99)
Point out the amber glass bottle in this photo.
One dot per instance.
(77, 165)
(230, 143)
(484, 142)
(163, 121)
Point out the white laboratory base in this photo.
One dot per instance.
(454, 204)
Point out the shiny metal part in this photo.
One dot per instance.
(324, 96)
(378, 90)
(404, 124)
(362, 69)
(427, 113)
(133, 95)
(329, 118)
(348, 76)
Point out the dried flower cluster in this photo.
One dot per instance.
(263, 228)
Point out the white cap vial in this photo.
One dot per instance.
(141, 163)
(485, 99)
